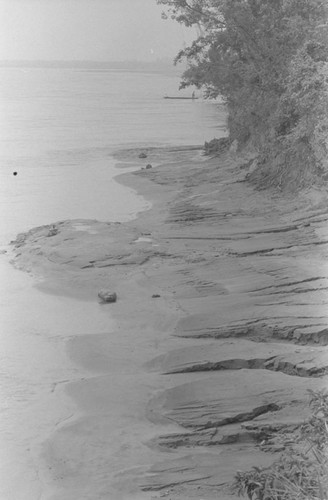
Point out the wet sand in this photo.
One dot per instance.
(35, 368)
(218, 331)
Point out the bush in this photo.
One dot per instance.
(217, 146)
(296, 152)
(302, 474)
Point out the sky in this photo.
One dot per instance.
(111, 30)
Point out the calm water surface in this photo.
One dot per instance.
(58, 128)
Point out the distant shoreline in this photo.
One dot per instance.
(160, 66)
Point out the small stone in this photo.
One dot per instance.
(107, 296)
(52, 231)
(149, 166)
(142, 155)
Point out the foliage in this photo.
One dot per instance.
(268, 60)
(217, 146)
(299, 475)
(315, 431)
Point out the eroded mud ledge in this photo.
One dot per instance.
(231, 286)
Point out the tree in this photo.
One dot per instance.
(268, 60)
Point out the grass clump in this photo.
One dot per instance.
(300, 474)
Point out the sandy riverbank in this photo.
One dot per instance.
(220, 329)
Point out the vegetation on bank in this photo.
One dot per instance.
(268, 59)
(300, 475)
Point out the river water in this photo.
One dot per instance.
(59, 128)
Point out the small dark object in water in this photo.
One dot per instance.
(149, 166)
(142, 155)
(155, 296)
(14, 173)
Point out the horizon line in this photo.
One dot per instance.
(93, 61)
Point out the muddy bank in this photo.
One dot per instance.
(221, 329)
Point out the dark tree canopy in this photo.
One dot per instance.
(268, 60)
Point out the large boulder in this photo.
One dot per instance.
(107, 296)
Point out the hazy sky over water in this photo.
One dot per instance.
(87, 29)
